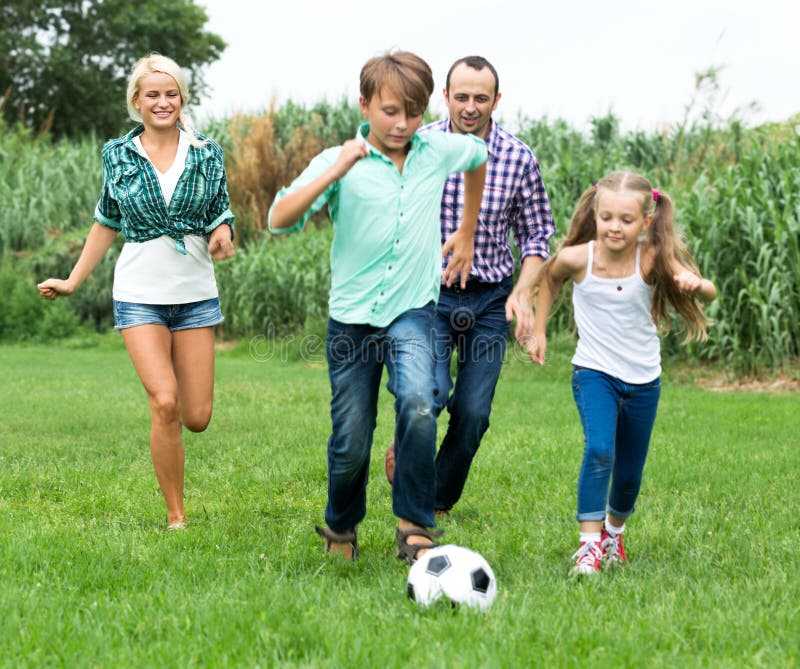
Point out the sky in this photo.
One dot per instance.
(568, 59)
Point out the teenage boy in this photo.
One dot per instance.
(474, 319)
(383, 191)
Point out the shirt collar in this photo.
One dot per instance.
(202, 152)
(363, 130)
(127, 140)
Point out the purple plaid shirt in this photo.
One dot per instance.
(514, 197)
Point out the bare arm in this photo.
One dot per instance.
(687, 280)
(291, 207)
(98, 241)
(693, 284)
(537, 345)
(519, 303)
(567, 263)
(461, 242)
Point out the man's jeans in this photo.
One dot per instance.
(473, 323)
(617, 420)
(356, 356)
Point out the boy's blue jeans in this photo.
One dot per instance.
(617, 420)
(473, 322)
(356, 357)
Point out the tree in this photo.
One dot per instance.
(64, 64)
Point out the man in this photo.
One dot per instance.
(474, 321)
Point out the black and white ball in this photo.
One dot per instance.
(455, 573)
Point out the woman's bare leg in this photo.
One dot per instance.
(150, 349)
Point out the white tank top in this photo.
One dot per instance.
(616, 333)
(153, 272)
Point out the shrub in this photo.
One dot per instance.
(278, 286)
(92, 302)
(25, 316)
(21, 306)
(259, 165)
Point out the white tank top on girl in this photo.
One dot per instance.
(616, 333)
(153, 272)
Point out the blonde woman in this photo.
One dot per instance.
(164, 188)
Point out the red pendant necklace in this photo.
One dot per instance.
(618, 279)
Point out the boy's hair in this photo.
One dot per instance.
(404, 73)
(151, 63)
(476, 63)
(661, 235)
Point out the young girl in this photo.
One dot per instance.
(627, 265)
(164, 187)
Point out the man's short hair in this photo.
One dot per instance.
(476, 63)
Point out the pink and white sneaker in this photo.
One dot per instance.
(588, 559)
(611, 546)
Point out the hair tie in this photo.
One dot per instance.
(596, 186)
(655, 195)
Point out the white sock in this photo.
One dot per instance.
(613, 529)
(590, 536)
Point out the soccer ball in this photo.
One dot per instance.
(454, 573)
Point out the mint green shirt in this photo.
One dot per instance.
(386, 256)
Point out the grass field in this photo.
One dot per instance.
(89, 577)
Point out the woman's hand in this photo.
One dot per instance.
(220, 245)
(53, 288)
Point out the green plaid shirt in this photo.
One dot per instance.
(131, 200)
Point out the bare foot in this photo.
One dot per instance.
(177, 523)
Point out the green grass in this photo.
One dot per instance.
(89, 577)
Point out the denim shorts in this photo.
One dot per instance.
(203, 314)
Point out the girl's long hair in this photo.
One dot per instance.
(661, 235)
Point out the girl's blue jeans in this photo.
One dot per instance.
(356, 356)
(617, 419)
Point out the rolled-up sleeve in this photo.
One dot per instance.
(107, 210)
(533, 217)
(315, 168)
(219, 211)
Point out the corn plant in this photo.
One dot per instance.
(278, 286)
(736, 191)
(45, 188)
